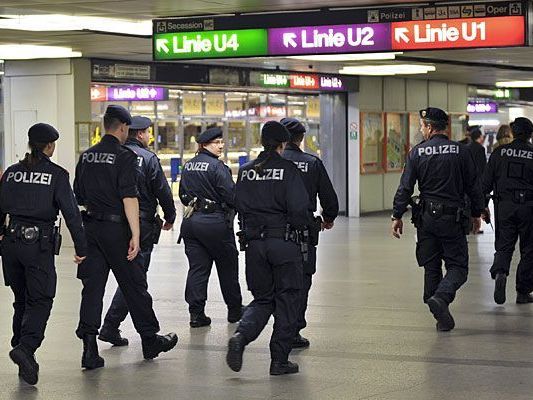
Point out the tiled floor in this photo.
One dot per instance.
(371, 335)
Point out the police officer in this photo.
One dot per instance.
(208, 191)
(153, 190)
(273, 207)
(32, 192)
(509, 175)
(106, 184)
(445, 172)
(316, 182)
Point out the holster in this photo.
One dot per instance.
(157, 227)
(229, 216)
(243, 243)
(463, 217)
(57, 240)
(314, 230)
(416, 211)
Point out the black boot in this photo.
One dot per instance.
(440, 311)
(499, 288)
(90, 358)
(28, 367)
(283, 368)
(112, 336)
(236, 346)
(154, 345)
(235, 314)
(200, 319)
(524, 298)
(299, 342)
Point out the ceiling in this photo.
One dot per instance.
(480, 66)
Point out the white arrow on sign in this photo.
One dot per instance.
(153, 93)
(401, 34)
(161, 45)
(288, 40)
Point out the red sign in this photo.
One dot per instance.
(458, 33)
(98, 93)
(304, 82)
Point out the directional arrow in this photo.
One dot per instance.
(288, 40)
(161, 45)
(401, 34)
(153, 93)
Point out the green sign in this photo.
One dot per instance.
(275, 80)
(210, 44)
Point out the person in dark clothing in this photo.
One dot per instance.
(317, 183)
(509, 176)
(106, 185)
(32, 192)
(445, 173)
(153, 191)
(477, 138)
(273, 207)
(208, 191)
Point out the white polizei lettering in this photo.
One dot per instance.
(197, 166)
(302, 166)
(442, 149)
(517, 153)
(98, 158)
(269, 174)
(140, 161)
(39, 178)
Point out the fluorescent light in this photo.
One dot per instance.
(387, 69)
(515, 84)
(484, 122)
(62, 22)
(29, 51)
(349, 57)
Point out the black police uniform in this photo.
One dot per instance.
(271, 203)
(479, 155)
(106, 174)
(32, 197)
(208, 233)
(317, 183)
(153, 190)
(445, 172)
(510, 175)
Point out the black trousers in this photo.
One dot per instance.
(108, 244)
(118, 310)
(274, 276)
(309, 268)
(31, 274)
(514, 221)
(208, 239)
(442, 239)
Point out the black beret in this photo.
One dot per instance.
(294, 126)
(522, 125)
(434, 114)
(42, 133)
(118, 112)
(275, 131)
(209, 134)
(140, 123)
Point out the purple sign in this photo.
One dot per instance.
(331, 83)
(136, 93)
(489, 107)
(329, 39)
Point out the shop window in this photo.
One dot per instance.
(371, 142)
(296, 107)
(396, 140)
(458, 124)
(415, 135)
(214, 104)
(236, 105)
(191, 104)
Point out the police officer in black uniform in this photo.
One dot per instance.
(273, 207)
(316, 182)
(106, 184)
(509, 175)
(208, 191)
(445, 172)
(32, 192)
(153, 190)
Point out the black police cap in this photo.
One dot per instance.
(209, 135)
(294, 126)
(118, 112)
(434, 114)
(522, 125)
(42, 133)
(276, 131)
(140, 123)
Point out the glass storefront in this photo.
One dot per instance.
(179, 120)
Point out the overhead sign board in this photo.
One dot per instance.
(128, 93)
(499, 24)
(484, 107)
(302, 81)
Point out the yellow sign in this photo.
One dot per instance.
(192, 104)
(214, 104)
(313, 107)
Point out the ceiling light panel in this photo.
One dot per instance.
(387, 69)
(349, 57)
(28, 51)
(515, 84)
